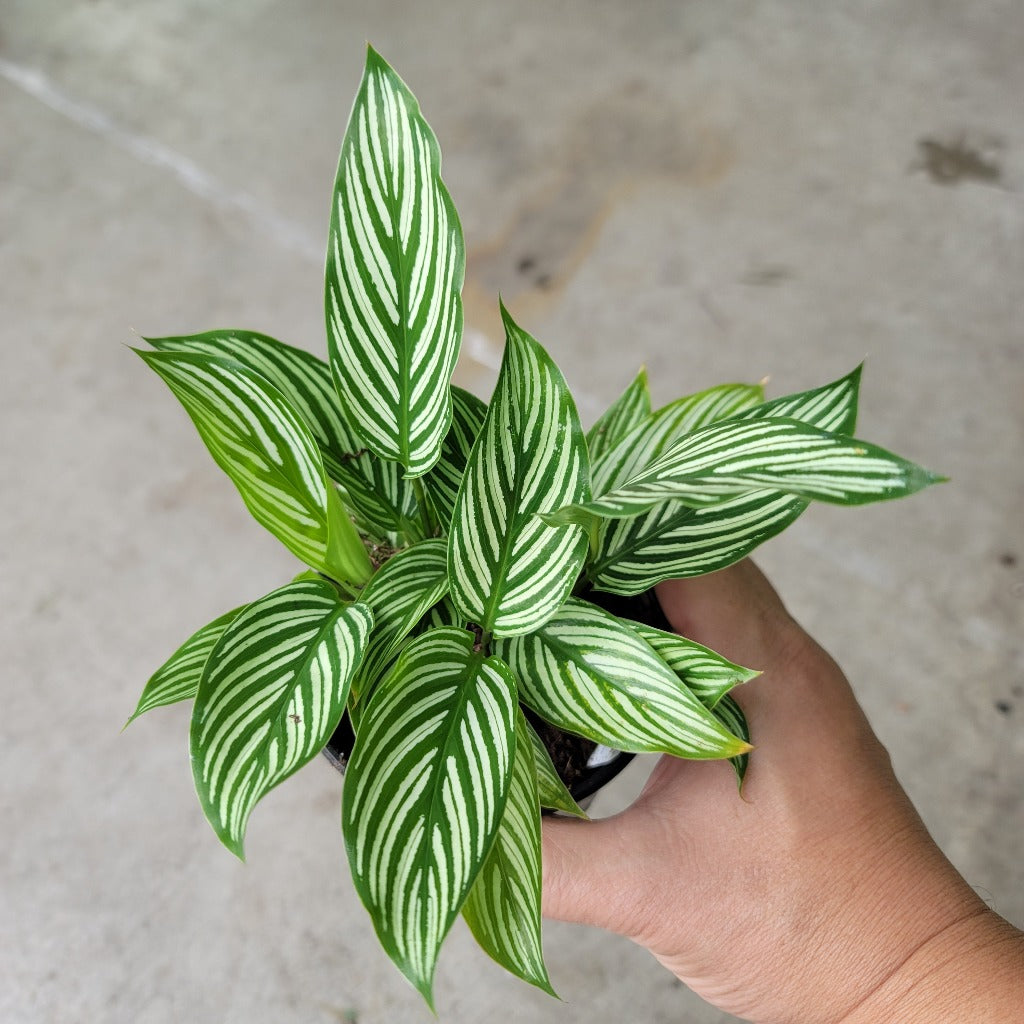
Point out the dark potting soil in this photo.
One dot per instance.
(569, 753)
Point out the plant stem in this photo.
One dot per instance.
(430, 524)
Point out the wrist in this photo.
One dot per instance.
(973, 969)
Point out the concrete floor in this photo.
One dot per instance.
(725, 190)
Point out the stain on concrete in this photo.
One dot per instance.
(343, 1014)
(621, 143)
(1008, 558)
(954, 161)
(1004, 707)
(767, 275)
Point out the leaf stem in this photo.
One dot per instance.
(594, 537)
(430, 524)
(340, 585)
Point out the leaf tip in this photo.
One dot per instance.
(235, 844)
(373, 57)
(425, 987)
(919, 478)
(544, 984)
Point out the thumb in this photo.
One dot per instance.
(585, 865)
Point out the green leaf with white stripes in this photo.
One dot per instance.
(588, 673)
(401, 592)
(425, 791)
(553, 792)
(444, 480)
(629, 410)
(730, 714)
(503, 907)
(509, 570)
(649, 440)
(374, 488)
(256, 437)
(706, 674)
(831, 407)
(272, 692)
(395, 265)
(444, 613)
(178, 677)
(734, 456)
(674, 541)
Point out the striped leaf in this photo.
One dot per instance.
(395, 266)
(649, 440)
(734, 456)
(832, 407)
(730, 714)
(425, 791)
(503, 907)
(590, 674)
(178, 677)
(256, 437)
(272, 692)
(444, 613)
(629, 410)
(673, 541)
(375, 489)
(444, 480)
(553, 792)
(509, 570)
(401, 592)
(707, 675)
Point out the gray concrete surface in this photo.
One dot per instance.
(722, 190)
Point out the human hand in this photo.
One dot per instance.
(818, 896)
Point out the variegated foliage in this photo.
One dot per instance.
(730, 714)
(509, 569)
(649, 439)
(256, 437)
(730, 458)
(178, 677)
(551, 790)
(676, 540)
(588, 673)
(629, 410)
(401, 592)
(395, 265)
(272, 692)
(706, 674)
(503, 908)
(480, 519)
(425, 792)
(383, 501)
(444, 480)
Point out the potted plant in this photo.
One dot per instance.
(458, 554)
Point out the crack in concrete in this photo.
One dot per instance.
(153, 153)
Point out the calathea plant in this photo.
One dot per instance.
(455, 554)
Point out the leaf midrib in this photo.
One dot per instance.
(423, 861)
(282, 702)
(505, 558)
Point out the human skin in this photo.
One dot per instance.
(816, 898)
